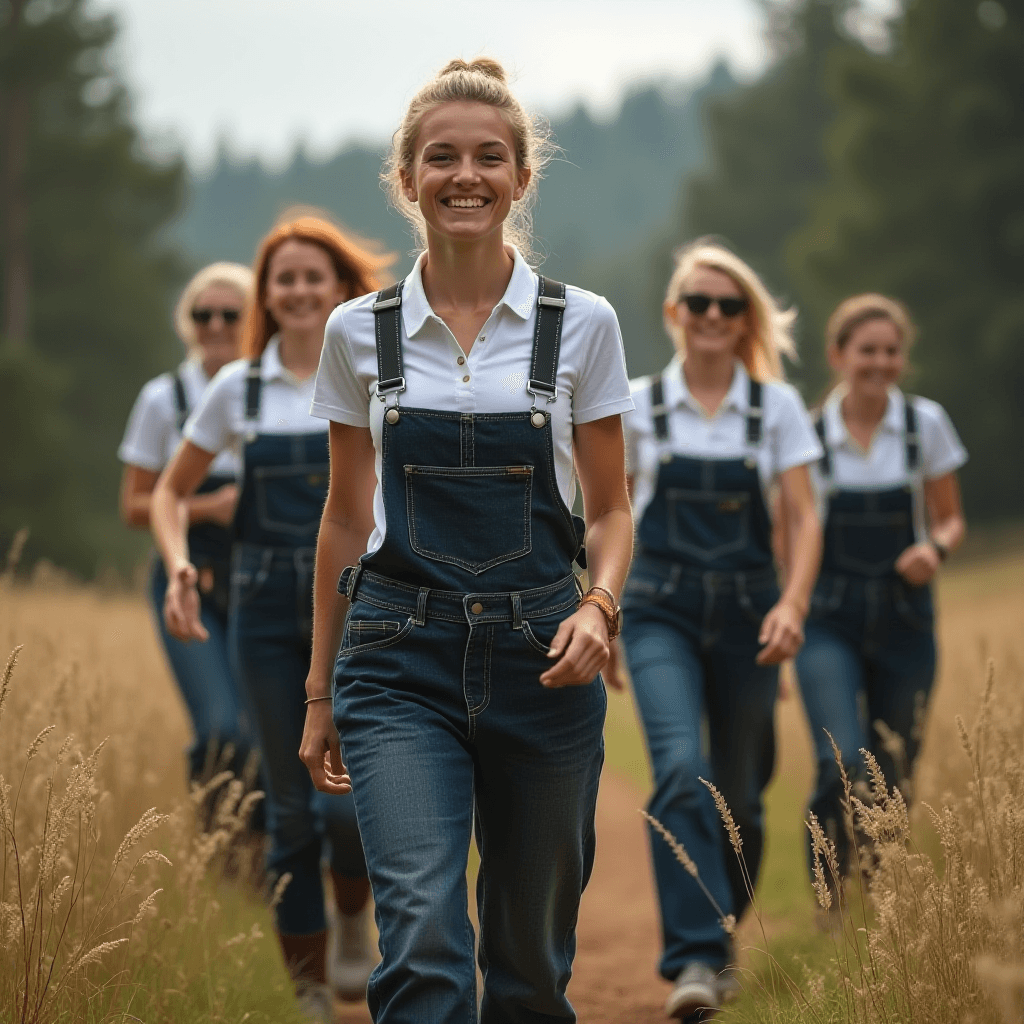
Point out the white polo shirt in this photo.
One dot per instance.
(152, 434)
(787, 434)
(219, 422)
(883, 465)
(592, 381)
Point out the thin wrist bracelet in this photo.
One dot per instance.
(326, 696)
(940, 549)
(611, 612)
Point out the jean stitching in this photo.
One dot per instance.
(532, 640)
(488, 646)
(470, 719)
(260, 478)
(377, 645)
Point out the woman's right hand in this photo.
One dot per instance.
(612, 671)
(320, 750)
(182, 606)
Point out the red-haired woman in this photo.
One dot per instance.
(304, 268)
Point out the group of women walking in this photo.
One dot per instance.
(390, 470)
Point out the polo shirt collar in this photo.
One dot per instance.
(520, 295)
(677, 393)
(836, 433)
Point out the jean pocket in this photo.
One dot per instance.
(649, 582)
(707, 525)
(290, 499)
(827, 597)
(540, 632)
(250, 570)
(914, 606)
(475, 517)
(369, 628)
(756, 604)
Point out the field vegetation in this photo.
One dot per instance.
(112, 908)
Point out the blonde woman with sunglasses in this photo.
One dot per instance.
(705, 626)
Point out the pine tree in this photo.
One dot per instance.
(87, 284)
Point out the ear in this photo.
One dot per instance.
(835, 358)
(408, 186)
(671, 311)
(342, 293)
(523, 176)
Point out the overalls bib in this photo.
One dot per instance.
(284, 486)
(445, 726)
(869, 653)
(701, 582)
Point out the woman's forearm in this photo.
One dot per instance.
(337, 547)
(609, 549)
(168, 521)
(803, 559)
(136, 509)
(949, 532)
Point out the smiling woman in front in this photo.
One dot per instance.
(463, 403)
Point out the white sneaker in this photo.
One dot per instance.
(316, 1003)
(350, 958)
(696, 991)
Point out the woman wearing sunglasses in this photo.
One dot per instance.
(704, 624)
(207, 321)
(304, 268)
(891, 504)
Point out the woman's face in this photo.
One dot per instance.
(216, 318)
(464, 175)
(710, 333)
(872, 359)
(302, 287)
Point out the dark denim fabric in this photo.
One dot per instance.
(282, 497)
(869, 655)
(707, 713)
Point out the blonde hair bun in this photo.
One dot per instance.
(479, 65)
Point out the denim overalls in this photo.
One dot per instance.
(203, 671)
(701, 582)
(283, 491)
(870, 648)
(444, 724)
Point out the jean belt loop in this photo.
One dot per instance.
(420, 618)
(517, 611)
(353, 581)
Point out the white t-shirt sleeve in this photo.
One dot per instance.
(149, 427)
(603, 386)
(795, 440)
(212, 426)
(942, 451)
(640, 390)
(339, 396)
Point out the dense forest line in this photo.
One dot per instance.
(844, 167)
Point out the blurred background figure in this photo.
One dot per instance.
(889, 498)
(305, 266)
(208, 321)
(704, 624)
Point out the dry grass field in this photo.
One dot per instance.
(112, 909)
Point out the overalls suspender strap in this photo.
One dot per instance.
(180, 401)
(910, 438)
(547, 340)
(253, 389)
(755, 411)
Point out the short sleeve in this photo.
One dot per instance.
(631, 422)
(941, 448)
(149, 428)
(796, 443)
(603, 386)
(211, 425)
(338, 395)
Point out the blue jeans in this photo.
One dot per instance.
(271, 602)
(207, 683)
(707, 712)
(869, 656)
(446, 730)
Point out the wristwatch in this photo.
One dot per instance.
(940, 549)
(606, 602)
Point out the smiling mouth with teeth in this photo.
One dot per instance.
(465, 203)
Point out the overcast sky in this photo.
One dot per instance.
(265, 73)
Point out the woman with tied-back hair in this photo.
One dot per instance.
(463, 403)
(304, 268)
(704, 624)
(889, 497)
(207, 319)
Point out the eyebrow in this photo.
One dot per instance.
(481, 145)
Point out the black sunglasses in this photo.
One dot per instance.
(204, 315)
(728, 305)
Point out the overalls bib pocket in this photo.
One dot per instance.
(868, 543)
(290, 498)
(707, 525)
(475, 517)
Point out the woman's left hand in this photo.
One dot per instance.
(918, 564)
(782, 633)
(579, 650)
